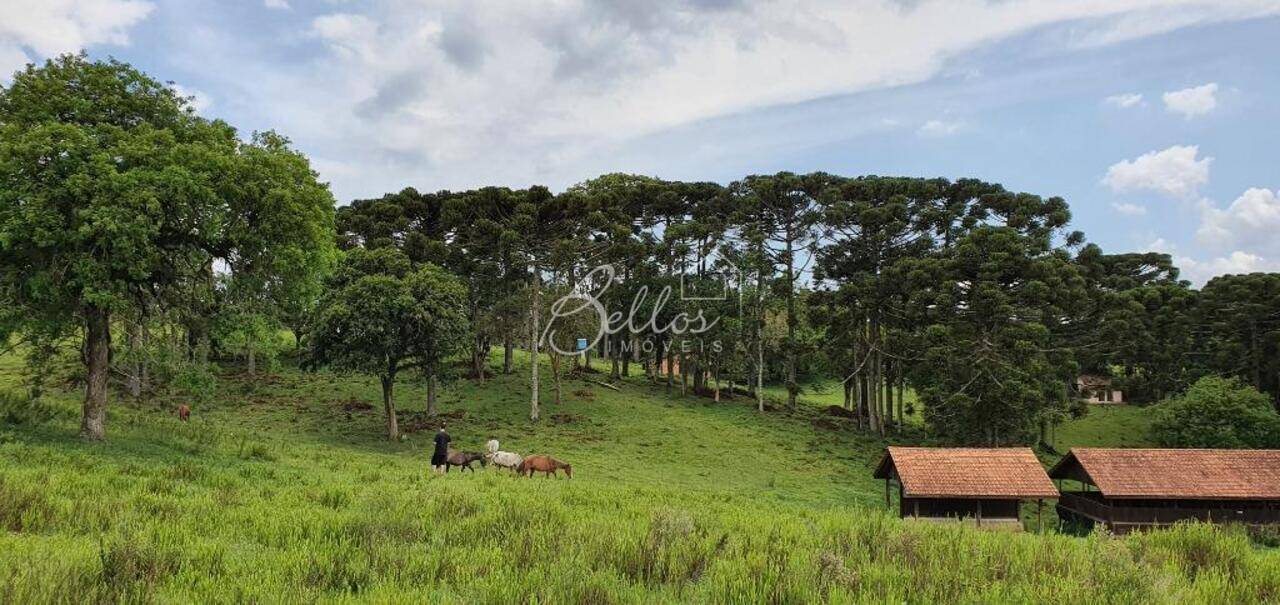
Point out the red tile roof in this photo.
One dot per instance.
(1005, 472)
(1191, 474)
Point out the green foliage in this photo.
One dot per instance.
(115, 197)
(194, 381)
(383, 315)
(23, 410)
(992, 370)
(1218, 413)
(249, 332)
(107, 184)
(1140, 322)
(1238, 330)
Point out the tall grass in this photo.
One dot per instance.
(216, 530)
(275, 497)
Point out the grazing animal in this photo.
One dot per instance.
(509, 460)
(464, 460)
(184, 412)
(544, 464)
(491, 446)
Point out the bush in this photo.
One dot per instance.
(1218, 413)
(21, 410)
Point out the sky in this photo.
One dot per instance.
(1156, 120)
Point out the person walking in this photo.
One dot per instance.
(440, 458)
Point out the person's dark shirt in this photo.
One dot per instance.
(442, 442)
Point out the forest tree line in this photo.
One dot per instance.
(151, 239)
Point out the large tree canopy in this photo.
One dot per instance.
(383, 315)
(113, 191)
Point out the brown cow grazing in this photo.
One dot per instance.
(184, 412)
(543, 464)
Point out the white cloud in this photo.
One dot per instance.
(1198, 272)
(1176, 172)
(1192, 102)
(199, 100)
(939, 128)
(276, 4)
(1235, 263)
(1251, 221)
(1129, 209)
(35, 29)
(1126, 100)
(458, 93)
(11, 60)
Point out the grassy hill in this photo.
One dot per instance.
(285, 489)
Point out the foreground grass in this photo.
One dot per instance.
(284, 491)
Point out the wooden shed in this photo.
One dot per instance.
(1125, 489)
(985, 486)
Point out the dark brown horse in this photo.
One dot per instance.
(464, 460)
(544, 464)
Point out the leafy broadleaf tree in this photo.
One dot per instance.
(110, 191)
(1218, 413)
(383, 316)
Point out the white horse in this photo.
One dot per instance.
(509, 460)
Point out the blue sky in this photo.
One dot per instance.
(1155, 119)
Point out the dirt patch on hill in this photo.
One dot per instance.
(835, 410)
(355, 405)
(567, 418)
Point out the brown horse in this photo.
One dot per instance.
(184, 412)
(464, 460)
(543, 464)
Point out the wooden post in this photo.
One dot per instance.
(1039, 515)
(979, 513)
(886, 491)
(916, 513)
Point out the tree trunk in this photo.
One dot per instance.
(477, 359)
(888, 400)
(716, 378)
(133, 381)
(684, 375)
(252, 361)
(902, 399)
(389, 405)
(144, 369)
(626, 358)
(533, 345)
(431, 393)
(793, 389)
(508, 353)
(760, 340)
(671, 363)
(555, 373)
(98, 365)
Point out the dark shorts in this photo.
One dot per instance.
(438, 459)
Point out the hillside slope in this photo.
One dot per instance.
(285, 490)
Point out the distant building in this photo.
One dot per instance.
(1125, 489)
(1098, 389)
(984, 486)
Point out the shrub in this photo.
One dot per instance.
(21, 410)
(1218, 413)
